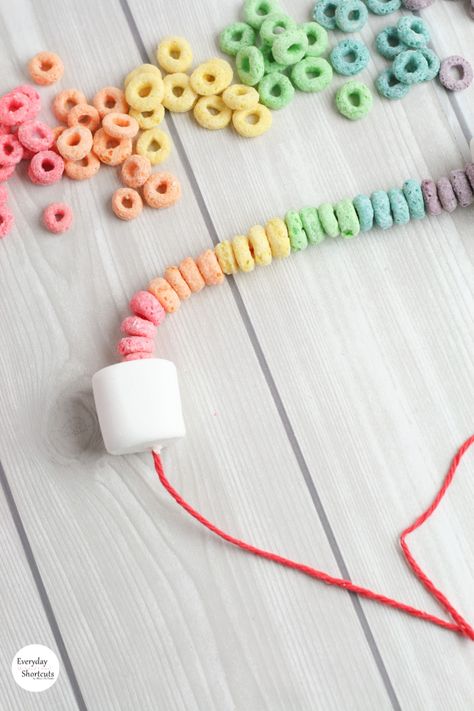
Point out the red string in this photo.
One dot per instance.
(458, 625)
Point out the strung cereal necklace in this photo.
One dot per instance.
(138, 401)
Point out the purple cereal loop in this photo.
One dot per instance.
(469, 170)
(430, 196)
(464, 69)
(446, 195)
(414, 5)
(461, 187)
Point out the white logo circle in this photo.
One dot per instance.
(35, 667)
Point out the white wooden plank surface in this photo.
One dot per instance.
(155, 613)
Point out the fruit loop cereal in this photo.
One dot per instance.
(239, 97)
(149, 119)
(175, 279)
(126, 203)
(35, 136)
(212, 113)
(252, 122)
(65, 101)
(7, 220)
(164, 294)
(46, 68)
(75, 143)
(15, 108)
(161, 190)
(11, 150)
(145, 91)
(191, 275)
(174, 54)
(84, 115)
(211, 77)
(120, 125)
(178, 95)
(110, 150)
(135, 171)
(155, 145)
(110, 99)
(57, 217)
(448, 77)
(82, 169)
(46, 167)
(209, 267)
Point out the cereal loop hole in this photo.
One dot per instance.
(144, 90)
(209, 78)
(178, 91)
(47, 165)
(175, 52)
(263, 9)
(45, 66)
(252, 119)
(58, 216)
(74, 140)
(127, 202)
(154, 146)
(330, 10)
(110, 102)
(350, 56)
(354, 98)
(162, 187)
(111, 143)
(457, 72)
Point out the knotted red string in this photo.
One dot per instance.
(458, 625)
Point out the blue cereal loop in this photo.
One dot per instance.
(325, 13)
(414, 198)
(382, 214)
(433, 62)
(365, 212)
(413, 32)
(349, 57)
(351, 15)
(399, 206)
(388, 86)
(410, 67)
(379, 7)
(388, 43)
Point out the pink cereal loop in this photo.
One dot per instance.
(135, 344)
(35, 136)
(136, 326)
(6, 171)
(161, 190)
(31, 93)
(11, 150)
(138, 356)
(57, 217)
(148, 307)
(7, 220)
(3, 195)
(46, 167)
(14, 109)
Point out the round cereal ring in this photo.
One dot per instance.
(382, 213)
(175, 279)
(275, 25)
(6, 172)
(147, 306)
(410, 67)
(212, 113)
(433, 63)
(135, 344)
(277, 234)
(446, 195)
(243, 253)
(255, 12)
(365, 212)
(296, 233)
(347, 219)
(84, 115)
(324, 13)
(45, 68)
(269, 64)
(11, 150)
(235, 36)
(31, 93)
(312, 74)
(162, 190)
(414, 198)
(110, 150)
(126, 203)
(354, 100)
(413, 32)
(191, 275)
(388, 86)
(65, 101)
(250, 65)
(211, 77)
(461, 187)
(57, 217)
(382, 7)
(3, 195)
(209, 267)
(75, 143)
(349, 57)
(145, 91)
(226, 257)
(351, 15)
(136, 326)
(178, 95)
(15, 108)
(46, 167)
(174, 54)
(328, 219)
(312, 225)
(120, 125)
(35, 136)
(430, 196)
(458, 79)
(239, 97)
(7, 220)
(135, 171)
(276, 91)
(149, 119)
(82, 169)
(252, 122)
(317, 38)
(57, 131)
(260, 246)
(163, 292)
(110, 99)
(155, 145)
(388, 43)
(142, 69)
(398, 206)
(290, 47)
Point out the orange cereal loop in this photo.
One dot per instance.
(175, 279)
(46, 68)
(135, 171)
(161, 190)
(149, 119)
(126, 203)
(57, 131)
(110, 99)
(110, 150)
(84, 115)
(120, 125)
(82, 169)
(65, 101)
(75, 143)
(191, 275)
(209, 267)
(163, 292)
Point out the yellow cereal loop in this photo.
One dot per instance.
(278, 239)
(243, 255)
(155, 145)
(174, 54)
(240, 97)
(225, 257)
(145, 91)
(260, 246)
(142, 69)
(211, 112)
(149, 119)
(250, 123)
(178, 94)
(211, 77)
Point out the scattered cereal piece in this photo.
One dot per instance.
(65, 101)
(135, 171)
(410, 67)
(110, 99)
(290, 47)
(142, 69)
(46, 68)
(211, 77)
(351, 15)
(448, 77)
(82, 169)
(127, 203)
(349, 57)
(191, 275)
(35, 99)
(136, 326)
(354, 100)
(388, 43)
(236, 36)
(120, 125)
(155, 145)
(146, 306)
(75, 143)
(84, 115)
(57, 217)
(212, 113)
(11, 150)
(388, 85)
(175, 279)
(256, 11)
(46, 168)
(149, 119)
(252, 122)
(178, 95)
(7, 220)
(383, 7)
(163, 292)
(174, 54)
(14, 109)
(325, 13)
(433, 63)
(144, 92)
(161, 190)
(317, 38)
(274, 25)
(109, 150)
(209, 267)
(239, 97)
(413, 32)
(312, 74)
(276, 91)
(250, 65)
(35, 136)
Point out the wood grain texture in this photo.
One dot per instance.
(342, 374)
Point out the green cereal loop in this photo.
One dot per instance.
(410, 67)
(413, 32)
(312, 74)
(365, 212)
(382, 214)
(317, 38)
(388, 43)
(269, 62)
(290, 47)
(324, 13)
(275, 25)
(347, 219)
(349, 57)
(399, 206)
(328, 219)
(256, 11)
(250, 65)
(388, 85)
(379, 7)
(416, 204)
(354, 100)
(433, 63)
(312, 225)
(296, 233)
(275, 90)
(235, 36)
